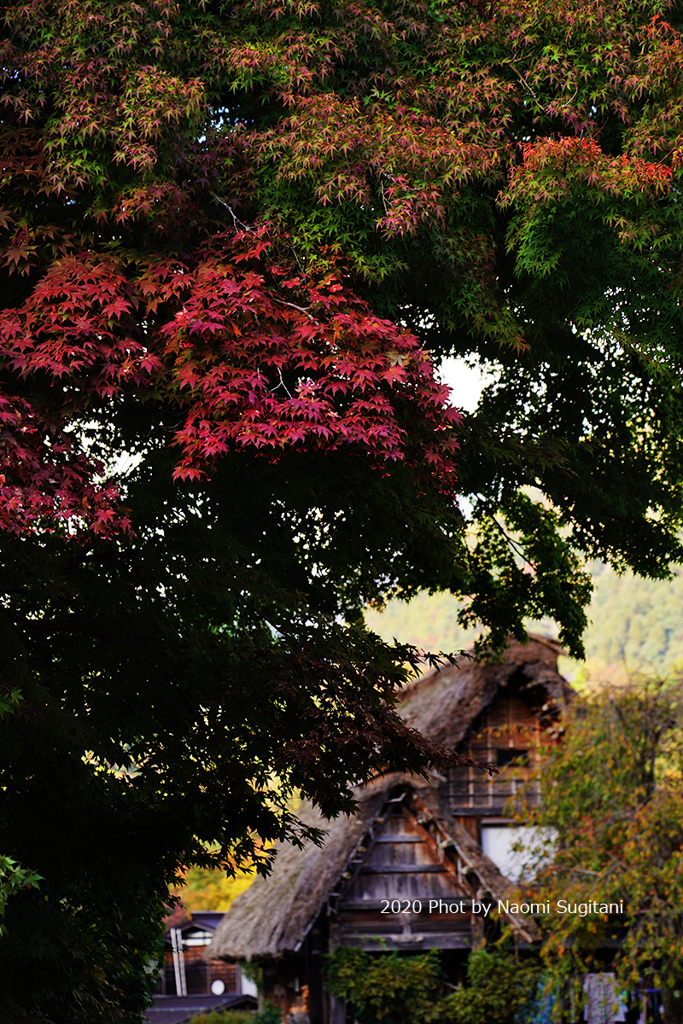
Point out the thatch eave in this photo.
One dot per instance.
(272, 917)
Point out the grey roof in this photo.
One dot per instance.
(179, 1009)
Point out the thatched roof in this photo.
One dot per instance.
(445, 704)
(274, 915)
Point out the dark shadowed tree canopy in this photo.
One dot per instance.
(234, 239)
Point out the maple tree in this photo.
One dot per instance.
(612, 797)
(232, 235)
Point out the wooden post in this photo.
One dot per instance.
(178, 961)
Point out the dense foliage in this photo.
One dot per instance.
(166, 681)
(459, 162)
(612, 806)
(229, 236)
(268, 1015)
(397, 989)
(501, 987)
(503, 178)
(390, 988)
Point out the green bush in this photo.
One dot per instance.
(268, 1014)
(500, 988)
(226, 1017)
(391, 989)
(398, 989)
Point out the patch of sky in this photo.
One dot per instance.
(467, 380)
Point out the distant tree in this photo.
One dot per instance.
(211, 888)
(612, 808)
(635, 623)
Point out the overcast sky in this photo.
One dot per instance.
(466, 382)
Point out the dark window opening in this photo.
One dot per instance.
(507, 755)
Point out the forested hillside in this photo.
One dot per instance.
(635, 624)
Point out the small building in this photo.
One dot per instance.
(415, 867)
(187, 969)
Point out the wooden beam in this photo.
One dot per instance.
(400, 839)
(440, 940)
(404, 869)
(381, 903)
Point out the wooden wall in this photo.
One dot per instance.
(387, 903)
(508, 738)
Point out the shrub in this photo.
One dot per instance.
(268, 1014)
(226, 1017)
